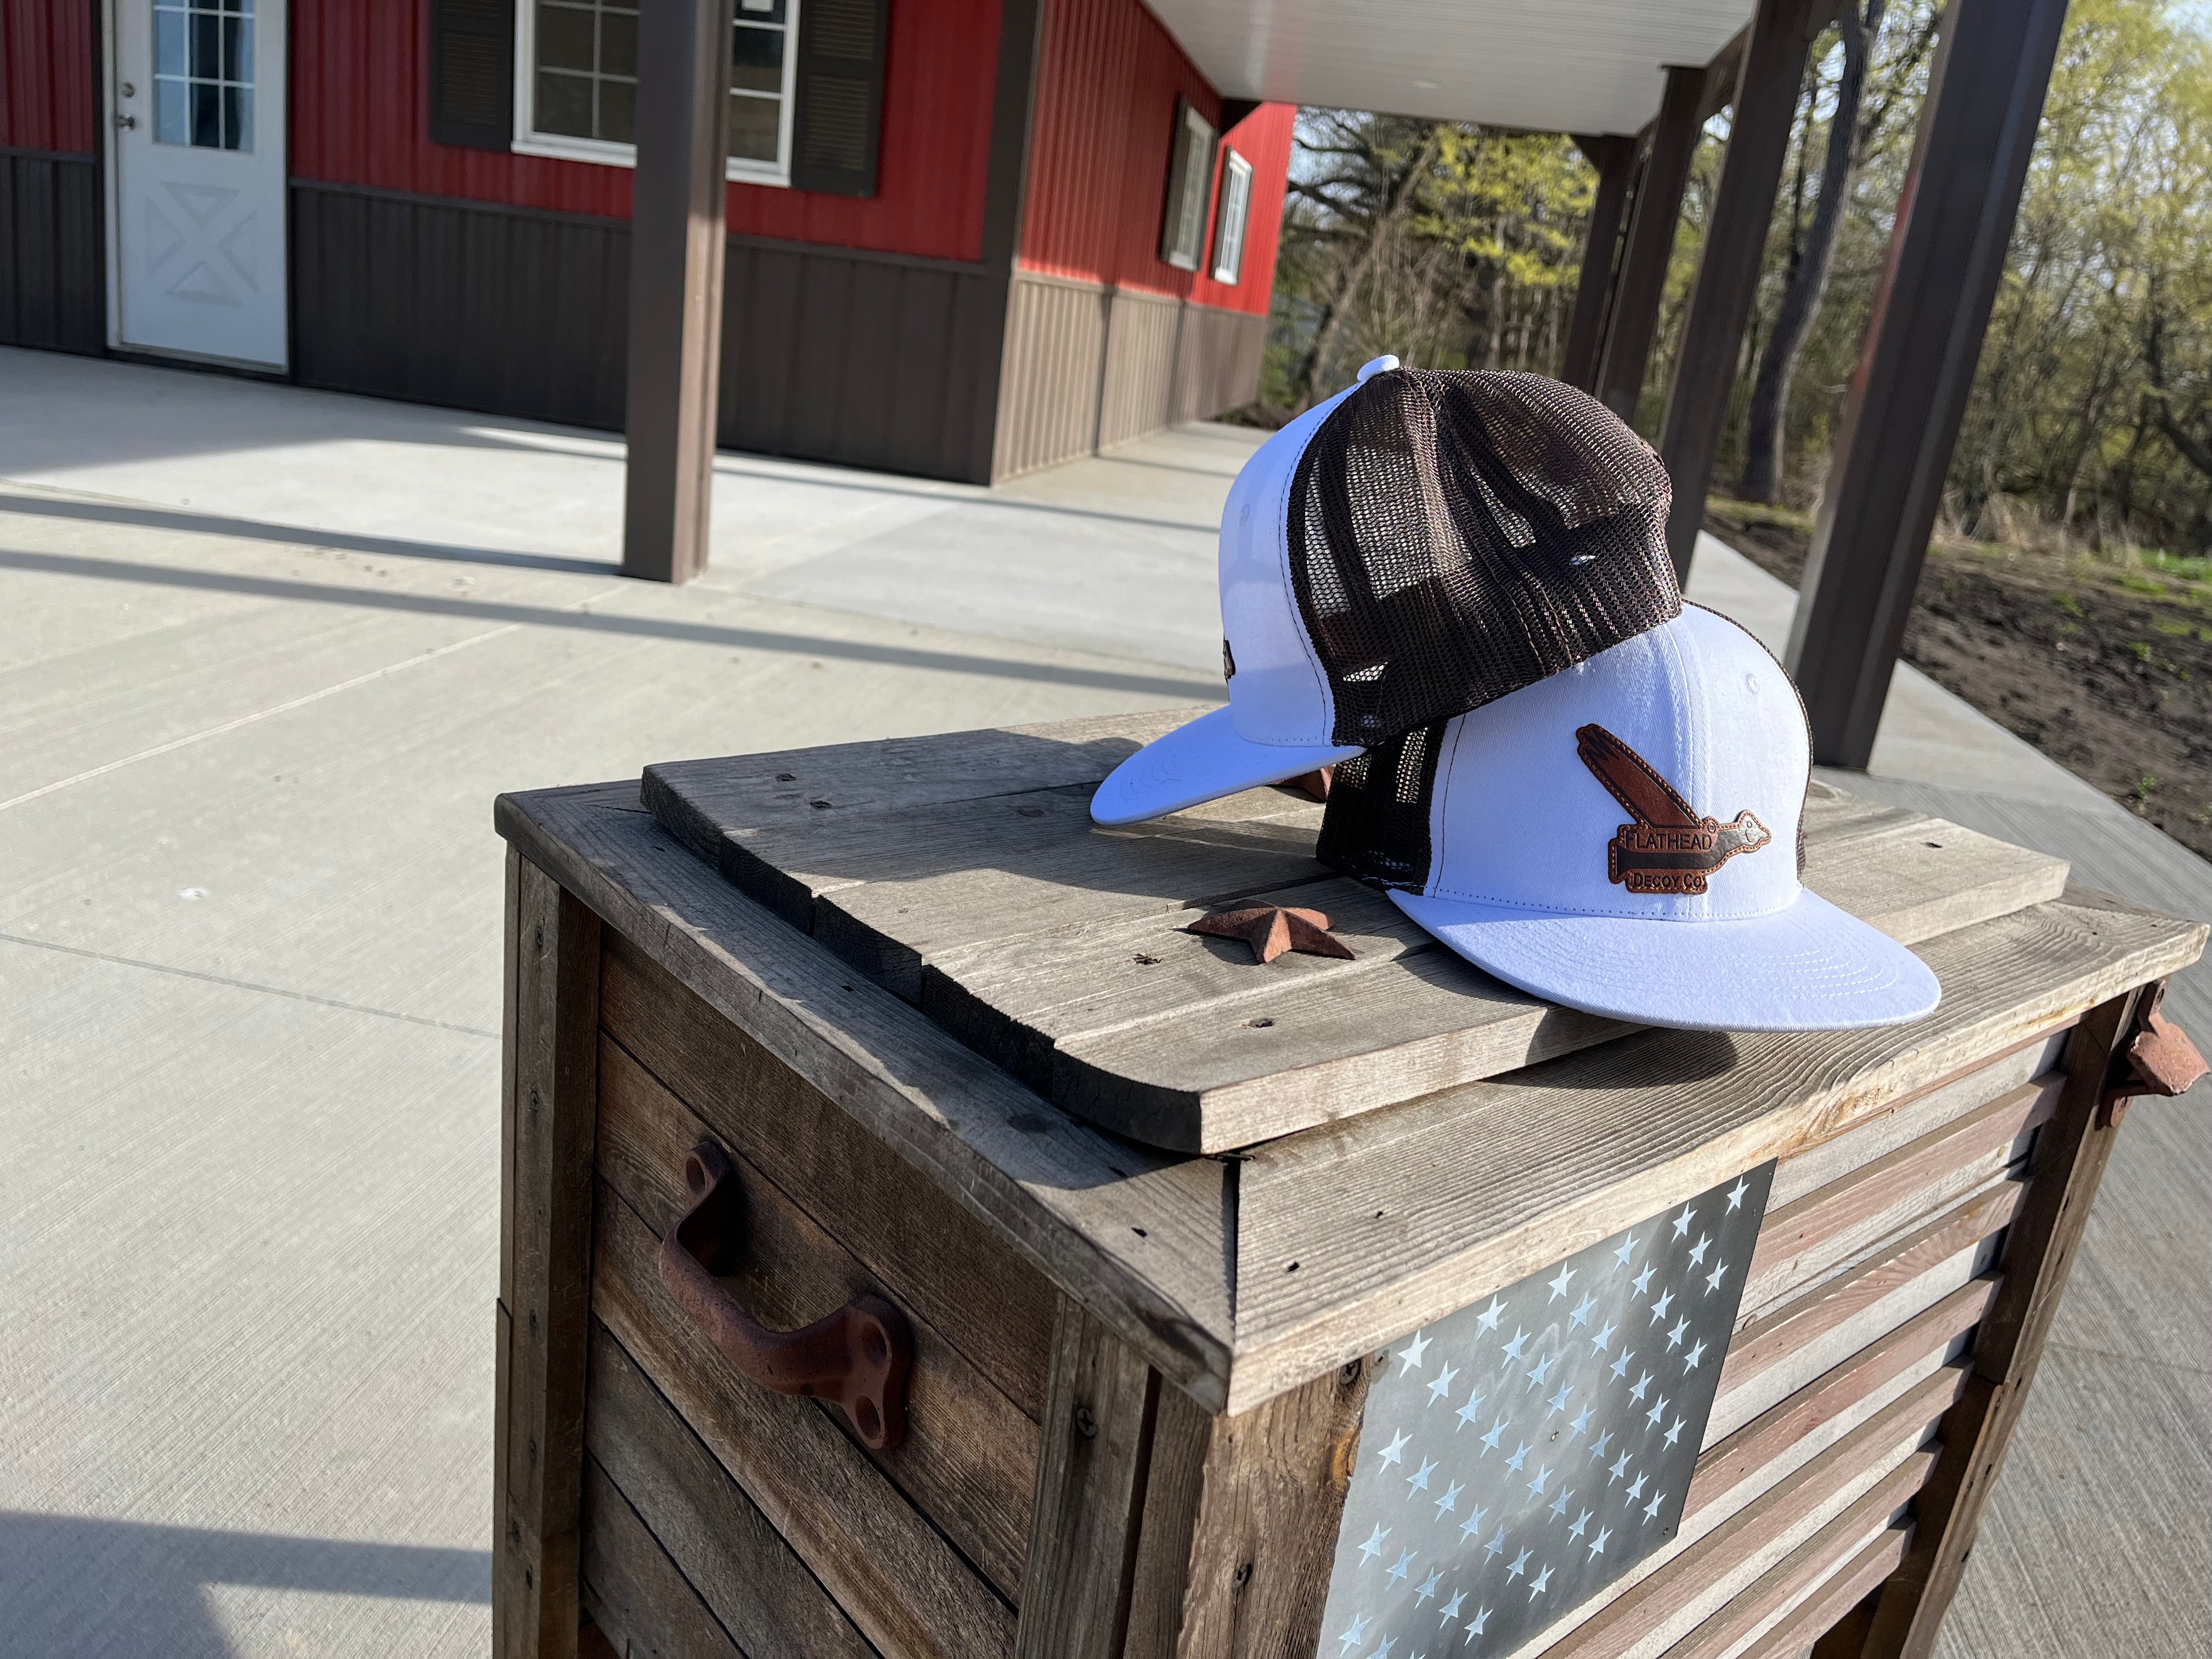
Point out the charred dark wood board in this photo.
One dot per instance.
(962, 873)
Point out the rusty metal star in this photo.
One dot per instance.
(1272, 929)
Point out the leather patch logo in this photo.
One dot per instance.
(1669, 848)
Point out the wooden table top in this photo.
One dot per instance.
(949, 950)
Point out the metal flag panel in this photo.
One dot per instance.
(1521, 1454)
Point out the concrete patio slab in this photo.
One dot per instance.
(268, 654)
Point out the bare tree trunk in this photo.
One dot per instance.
(1396, 207)
(1809, 282)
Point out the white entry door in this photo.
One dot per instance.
(197, 264)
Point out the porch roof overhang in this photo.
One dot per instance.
(1580, 66)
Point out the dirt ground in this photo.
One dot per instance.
(2106, 668)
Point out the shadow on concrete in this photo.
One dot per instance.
(660, 628)
(76, 1584)
(251, 530)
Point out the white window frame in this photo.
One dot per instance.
(1227, 266)
(566, 146)
(1193, 146)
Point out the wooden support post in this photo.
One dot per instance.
(550, 1114)
(1098, 1445)
(1241, 1519)
(1614, 158)
(1770, 74)
(1985, 91)
(2069, 1160)
(678, 229)
(1642, 283)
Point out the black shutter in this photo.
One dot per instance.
(473, 73)
(838, 123)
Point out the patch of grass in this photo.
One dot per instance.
(2189, 567)
(1751, 512)
(2142, 585)
(2174, 630)
(2067, 603)
(2146, 655)
(2067, 631)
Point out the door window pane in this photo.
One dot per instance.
(204, 73)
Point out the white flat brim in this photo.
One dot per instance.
(1809, 967)
(1200, 761)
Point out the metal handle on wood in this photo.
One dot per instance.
(857, 1356)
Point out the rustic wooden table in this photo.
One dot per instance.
(1149, 1213)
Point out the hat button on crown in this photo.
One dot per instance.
(1377, 366)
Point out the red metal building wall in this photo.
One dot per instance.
(1108, 75)
(359, 80)
(46, 50)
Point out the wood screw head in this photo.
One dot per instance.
(1086, 1424)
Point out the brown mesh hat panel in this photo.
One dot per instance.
(1455, 536)
(1375, 827)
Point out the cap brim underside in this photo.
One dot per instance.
(1197, 763)
(1810, 967)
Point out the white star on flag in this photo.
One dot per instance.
(1559, 1284)
(1682, 1221)
(1442, 1386)
(1627, 1249)
(1605, 1335)
(1536, 1589)
(1428, 1586)
(1698, 1250)
(1414, 1350)
(1398, 1567)
(1597, 1544)
(1450, 1609)
(1735, 1192)
(1449, 1501)
(1395, 1451)
(1357, 1634)
(1580, 1313)
(1419, 1480)
(1488, 1320)
(1467, 1413)
(1373, 1546)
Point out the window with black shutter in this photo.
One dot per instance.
(473, 73)
(840, 95)
(1190, 178)
(579, 96)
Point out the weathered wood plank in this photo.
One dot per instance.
(1836, 1222)
(902, 1585)
(724, 1548)
(1919, 878)
(2069, 1161)
(546, 1263)
(943, 877)
(1919, 1115)
(1780, 1352)
(1398, 1216)
(637, 1592)
(928, 1253)
(969, 1460)
(1866, 1529)
(896, 775)
(1241, 1517)
(1138, 1238)
(1795, 1631)
(1099, 1412)
(1793, 1423)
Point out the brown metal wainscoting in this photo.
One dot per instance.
(1088, 366)
(828, 353)
(52, 275)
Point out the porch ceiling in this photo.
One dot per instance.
(1586, 66)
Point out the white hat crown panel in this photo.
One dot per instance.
(1523, 817)
(1279, 693)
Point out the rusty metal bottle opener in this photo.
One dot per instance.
(856, 1357)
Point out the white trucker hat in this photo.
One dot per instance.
(1623, 838)
(1420, 544)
